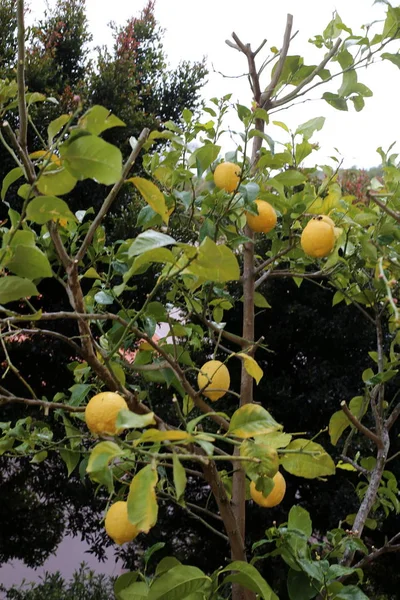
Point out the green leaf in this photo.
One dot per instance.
(394, 58)
(152, 195)
(267, 455)
(214, 263)
(55, 180)
(126, 419)
(14, 288)
(56, 126)
(158, 255)
(299, 586)
(290, 178)
(103, 298)
(248, 576)
(276, 439)
(136, 591)
(350, 592)
(339, 422)
(9, 179)
(251, 420)
(142, 500)
(260, 301)
(335, 100)
(97, 119)
(179, 475)
(306, 465)
(29, 262)
(101, 456)
(166, 564)
(48, 208)
(349, 83)
(307, 129)
(91, 157)
(149, 240)
(178, 583)
(124, 581)
(71, 458)
(299, 518)
(204, 157)
(251, 366)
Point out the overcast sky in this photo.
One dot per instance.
(197, 29)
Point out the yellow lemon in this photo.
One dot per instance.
(101, 412)
(327, 219)
(318, 238)
(227, 176)
(117, 525)
(215, 375)
(265, 220)
(276, 495)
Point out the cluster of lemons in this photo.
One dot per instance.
(318, 237)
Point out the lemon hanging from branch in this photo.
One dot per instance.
(215, 379)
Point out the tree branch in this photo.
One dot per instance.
(42, 403)
(22, 112)
(266, 95)
(308, 79)
(392, 213)
(367, 432)
(391, 420)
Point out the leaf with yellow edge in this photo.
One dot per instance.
(142, 500)
(251, 420)
(322, 206)
(91, 273)
(251, 366)
(154, 435)
(152, 195)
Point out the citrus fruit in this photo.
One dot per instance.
(318, 237)
(327, 219)
(215, 375)
(276, 495)
(265, 220)
(117, 525)
(227, 176)
(101, 412)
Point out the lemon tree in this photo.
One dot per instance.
(253, 214)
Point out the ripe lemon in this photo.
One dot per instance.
(215, 375)
(327, 219)
(117, 525)
(101, 412)
(318, 237)
(276, 495)
(227, 176)
(265, 220)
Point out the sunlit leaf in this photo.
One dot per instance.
(142, 500)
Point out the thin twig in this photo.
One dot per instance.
(391, 420)
(358, 467)
(4, 399)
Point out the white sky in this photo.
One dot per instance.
(195, 29)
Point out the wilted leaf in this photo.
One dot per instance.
(251, 366)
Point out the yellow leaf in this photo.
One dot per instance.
(251, 366)
(345, 466)
(91, 273)
(322, 206)
(142, 500)
(152, 195)
(154, 435)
